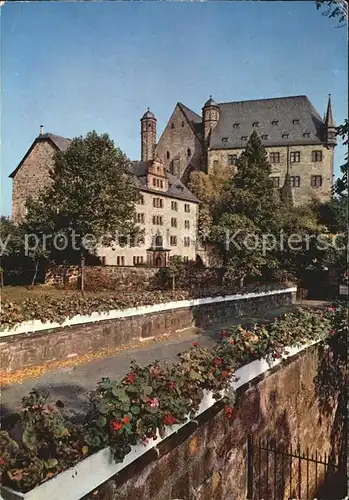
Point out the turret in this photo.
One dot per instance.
(210, 117)
(330, 127)
(148, 135)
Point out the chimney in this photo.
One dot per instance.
(41, 129)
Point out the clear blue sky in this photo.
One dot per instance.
(80, 66)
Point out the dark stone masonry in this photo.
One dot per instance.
(30, 349)
(207, 461)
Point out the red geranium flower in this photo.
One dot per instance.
(171, 386)
(332, 332)
(332, 309)
(2, 461)
(225, 373)
(196, 344)
(115, 425)
(232, 341)
(126, 420)
(169, 419)
(277, 355)
(131, 377)
(217, 361)
(224, 333)
(229, 411)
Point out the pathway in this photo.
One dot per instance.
(71, 384)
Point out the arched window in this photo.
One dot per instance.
(158, 241)
(168, 155)
(172, 125)
(188, 152)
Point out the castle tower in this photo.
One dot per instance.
(148, 135)
(210, 117)
(330, 127)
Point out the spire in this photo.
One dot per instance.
(329, 121)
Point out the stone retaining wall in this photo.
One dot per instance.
(29, 349)
(100, 277)
(207, 461)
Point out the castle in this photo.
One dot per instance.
(295, 136)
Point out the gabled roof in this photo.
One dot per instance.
(176, 188)
(195, 120)
(284, 120)
(57, 141)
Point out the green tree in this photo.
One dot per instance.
(334, 9)
(209, 189)
(252, 209)
(92, 196)
(250, 191)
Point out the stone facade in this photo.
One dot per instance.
(298, 129)
(36, 348)
(304, 170)
(32, 176)
(207, 460)
(179, 145)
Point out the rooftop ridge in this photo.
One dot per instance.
(266, 99)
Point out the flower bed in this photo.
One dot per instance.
(58, 308)
(142, 407)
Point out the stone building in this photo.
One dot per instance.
(166, 210)
(295, 136)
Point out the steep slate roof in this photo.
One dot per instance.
(193, 118)
(264, 111)
(57, 140)
(176, 188)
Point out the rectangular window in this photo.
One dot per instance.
(316, 181)
(103, 261)
(316, 156)
(295, 181)
(185, 258)
(215, 163)
(274, 157)
(295, 156)
(186, 241)
(140, 200)
(187, 224)
(158, 203)
(173, 241)
(174, 205)
(137, 261)
(157, 220)
(232, 159)
(139, 218)
(276, 181)
(120, 261)
(186, 207)
(173, 222)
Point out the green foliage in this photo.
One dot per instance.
(92, 196)
(334, 9)
(147, 400)
(59, 308)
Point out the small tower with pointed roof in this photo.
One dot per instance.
(330, 127)
(148, 135)
(210, 117)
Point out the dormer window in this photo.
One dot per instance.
(275, 122)
(255, 124)
(285, 136)
(224, 139)
(295, 122)
(244, 138)
(265, 137)
(236, 125)
(306, 134)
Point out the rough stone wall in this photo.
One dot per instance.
(177, 138)
(113, 277)
(304, 169)
(25, 350)
(208, 461)
(32, 177)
